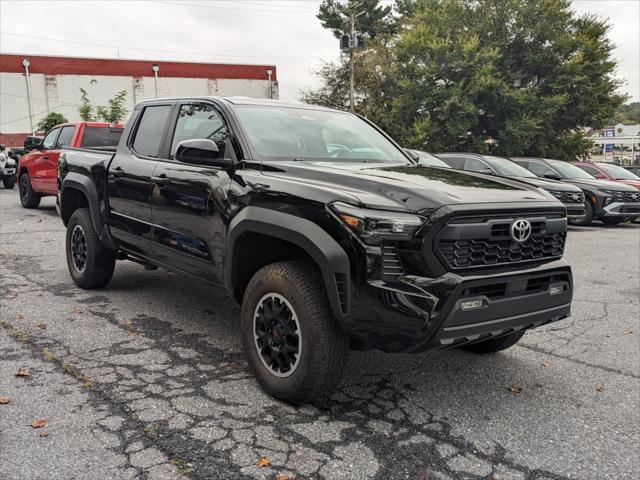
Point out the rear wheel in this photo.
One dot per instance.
(495, 344)
(588, 215)
(28, 198)
(294, 345)
(90, 262)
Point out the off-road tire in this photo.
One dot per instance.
(324, 346)
(99, 260)
(9, 182)
(28, 198)
(588, 215)
(495, 344)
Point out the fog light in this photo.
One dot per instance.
(472, 305)
(556, 289)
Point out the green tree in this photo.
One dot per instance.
(115, 111)
(51, 120)
(375, 18)
(512, 77)
(86, 109)
(629, 114)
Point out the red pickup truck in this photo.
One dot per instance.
(38, 169)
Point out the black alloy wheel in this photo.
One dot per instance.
(79, 248)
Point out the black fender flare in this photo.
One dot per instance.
(82, 183)
(325, 251)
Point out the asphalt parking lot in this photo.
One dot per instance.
(147, 379)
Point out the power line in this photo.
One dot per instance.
(123, 47)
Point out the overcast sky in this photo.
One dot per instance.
(281, 32)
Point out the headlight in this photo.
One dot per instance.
(373, 226)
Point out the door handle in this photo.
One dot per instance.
(117, 173)
(161, 180)
(45, 158)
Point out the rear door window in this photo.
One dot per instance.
(475, 165)
(66, 134)
(148, 139)
(540, 169)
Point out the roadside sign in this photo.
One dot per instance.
(608, 152)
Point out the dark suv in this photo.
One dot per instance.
(326, 231)
(610, 202)
(571, 196)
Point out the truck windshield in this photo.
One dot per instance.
(507, 168)
(290, 133)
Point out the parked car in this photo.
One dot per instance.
(37, 170)
(610, 202)
(570, 195)
(608, 171)
(324, 230)
(7, 169)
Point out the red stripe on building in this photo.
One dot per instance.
(132, 68)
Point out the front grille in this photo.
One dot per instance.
(487, 242)
(391, 264)
(620, 196)
(568, 197)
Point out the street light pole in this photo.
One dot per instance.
(26, 64)
(352, 36)
(155, 69)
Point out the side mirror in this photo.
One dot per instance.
(552, 176)
(202, 151)
(414, 156)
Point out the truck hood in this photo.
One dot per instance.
(600, 184)
(407, 187)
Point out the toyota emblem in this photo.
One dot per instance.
(635, 196)
(521, 230)
(576, 197)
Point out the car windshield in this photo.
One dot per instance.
(429, 160)
(292, 133)
(507, 168)
(570, 171)
(618, 173)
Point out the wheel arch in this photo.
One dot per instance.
(272, 236)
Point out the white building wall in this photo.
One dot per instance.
(61, 93)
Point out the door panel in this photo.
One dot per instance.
(41, 164)
(190, 202)
(129, 181)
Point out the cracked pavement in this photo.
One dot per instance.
(146, 379)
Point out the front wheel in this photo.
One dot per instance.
(9, 182)
(28, 197)
(495, 344)
(90, 262)
(294, 345)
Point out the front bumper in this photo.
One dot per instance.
(414, 314)
(575, 210)
(7, 172)
(621, 209)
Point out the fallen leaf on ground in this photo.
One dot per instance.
(264, 462)
(19, 316)
(128, 322)
(4, 400)
(39, 423)
(600, 388)
(41, 325)
(628, 332)
(515, 390)
(12, 296)
(133, 333)
(77, 311)
(282, 477)
(44, 434)
(546, 364)
(23, 372)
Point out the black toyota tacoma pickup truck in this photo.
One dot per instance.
(329, 235)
